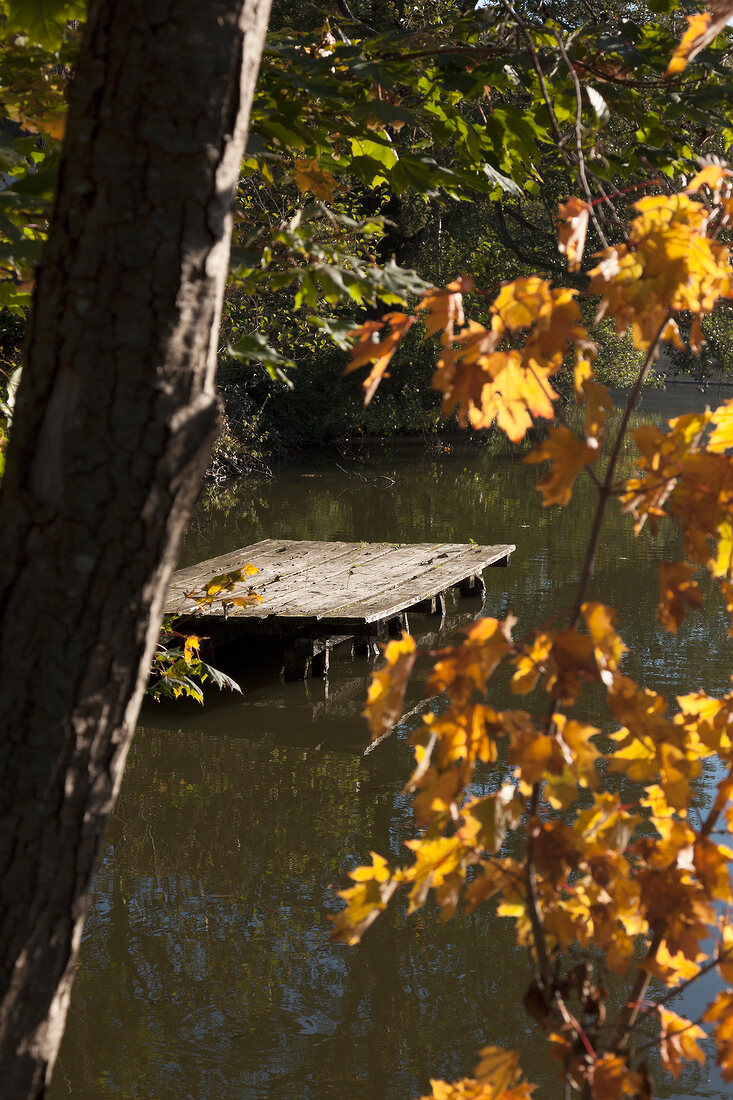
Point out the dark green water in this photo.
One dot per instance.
(206, 970)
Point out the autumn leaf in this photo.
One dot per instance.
(498, 1068)
(573, 217)
(721, 438)
(720, 1013)
(678, 1041)
(191, 648)
(678, 590)
(702, 28)
(611, 1078)
(370, 348)
(364, 901)
(388, 685)
(608, 649)
(598, 405)
(569, 455)
(461, 670)
(443, 308)
(309, 177)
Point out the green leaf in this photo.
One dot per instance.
(44, 21)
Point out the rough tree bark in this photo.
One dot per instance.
(114, 421)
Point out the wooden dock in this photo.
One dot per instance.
(319, 594)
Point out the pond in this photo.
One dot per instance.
(206, 970)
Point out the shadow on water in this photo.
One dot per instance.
(206, 969)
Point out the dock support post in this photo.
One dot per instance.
(397, 624)
(473, 586)
(433, 605)
(304, 656)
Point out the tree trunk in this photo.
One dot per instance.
(114, 421)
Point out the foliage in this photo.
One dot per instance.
(601, 849)
(178, 670)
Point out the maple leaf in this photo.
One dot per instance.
(309, 177)
(720, 1013)
(369, 348)
(437, 859)
(388, 685)
(608, 649)
(702, 28)
(611, 1079)
(678, 1041)
(444, 307)
(498, 1068)
(714, 176)
(672, 968)
(677, 588)
(530, 663)
(364, 901)
(721, 438)
(573, 216)
(486, 820)
(598, 404)
(569, 455)
(191, 648)
(463, 669)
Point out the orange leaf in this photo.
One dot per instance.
(701, 30)
(573, 216)
(611, 1078)
(569, 455)
(444, 307)
(309, 177)
(370, 349)
(720, 1013)
(677, 587)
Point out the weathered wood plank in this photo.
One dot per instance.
(335, 586)
(444, 574)
(276, 560)
(364, 577)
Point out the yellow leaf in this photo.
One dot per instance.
(702, 28)
(671, 968)
(569, 455)
(191, 648)
(713, 176)
(309, 177)
(721, 438)
(364, 901)
(598, 404)
(678, 1041)
(608, 647)
(677, 588)
(387, 688)
(720, 1013)
(498, 1068)
(573, 217)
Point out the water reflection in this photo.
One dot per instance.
(206, 969)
